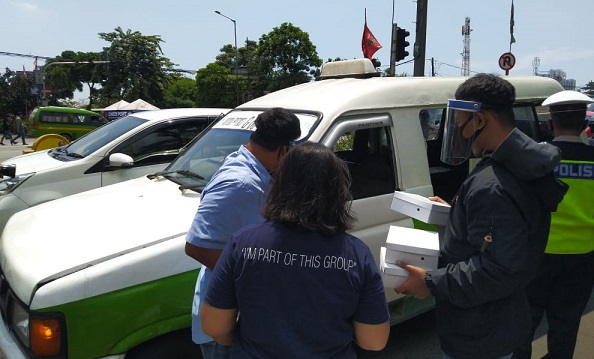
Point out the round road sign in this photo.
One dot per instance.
(507, 61)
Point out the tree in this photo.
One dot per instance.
(15, 94)
(285, 57)
(181, 93)
(247, 55)
(216, 86)
(70, 71)
(589, 88)
(137, 68)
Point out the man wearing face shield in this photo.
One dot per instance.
(497, 229)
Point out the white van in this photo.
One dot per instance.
(119, 285)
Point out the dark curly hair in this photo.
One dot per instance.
(495, 93)
(276, 127)
(311, 191)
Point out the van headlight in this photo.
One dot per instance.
(9, 184)
(42, 334)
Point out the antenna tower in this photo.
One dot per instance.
(466, 53)
(535, 65)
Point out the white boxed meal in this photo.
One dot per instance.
(392, 275)
(421, 208)
(413, 246)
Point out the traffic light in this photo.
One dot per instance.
(401, 43)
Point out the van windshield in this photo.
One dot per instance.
(199, 161)
(103, 135)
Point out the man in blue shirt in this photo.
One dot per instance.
(233, 199)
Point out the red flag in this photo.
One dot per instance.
(24, 72)
(369, 43)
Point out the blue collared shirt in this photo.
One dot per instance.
(231, 200)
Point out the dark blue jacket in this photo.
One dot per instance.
(495, 238)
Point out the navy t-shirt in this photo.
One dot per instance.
(297, 292)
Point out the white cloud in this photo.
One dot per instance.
(25, 6)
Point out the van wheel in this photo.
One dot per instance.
(67, 136)
(174, 345)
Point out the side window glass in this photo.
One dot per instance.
(430, 120)
(162, 145)
(526, 122)
(368, 155)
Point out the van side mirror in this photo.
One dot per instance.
(120, 160)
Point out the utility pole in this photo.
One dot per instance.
(420, 38)
(466, 52)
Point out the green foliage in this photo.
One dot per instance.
(345, 142)
(70, 71)
(182, 92)
(137, 68)
(216, 86)
(588, 89)
(286, 57)
(15, 95)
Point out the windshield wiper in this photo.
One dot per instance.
(181, 172)
(73, 154)
(197, 188)
(190, 174)
(159, 174)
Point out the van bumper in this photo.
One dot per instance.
(9, 349)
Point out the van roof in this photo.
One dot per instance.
(65, 109)
(336, 96)
(179, 112)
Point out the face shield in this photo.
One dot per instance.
(457, 138)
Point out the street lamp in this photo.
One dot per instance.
(236, 56)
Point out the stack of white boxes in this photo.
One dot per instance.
(413, 246)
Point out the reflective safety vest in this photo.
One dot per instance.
(572, 226)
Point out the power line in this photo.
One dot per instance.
(24, 55)
(13, 54)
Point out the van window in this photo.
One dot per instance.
(430, 120)
(367, 151)
(526, 122)
(70, 118)
(162, 143)
(445, 178)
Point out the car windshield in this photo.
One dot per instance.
(103, 135)
(199, 161)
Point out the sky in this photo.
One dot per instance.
(557, 33)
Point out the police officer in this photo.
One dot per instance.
(564, 281)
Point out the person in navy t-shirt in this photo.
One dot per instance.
(304, 288)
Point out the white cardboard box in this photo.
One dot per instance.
(420, 208)
(392, 275)
(413, 246)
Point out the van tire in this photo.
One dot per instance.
(174, 345)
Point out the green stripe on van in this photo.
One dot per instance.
(115, 322)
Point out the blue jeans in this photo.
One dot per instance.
(213, 350)
(508, 356)
(20, 134)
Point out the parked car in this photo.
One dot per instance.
(75, 286)
(132, 146)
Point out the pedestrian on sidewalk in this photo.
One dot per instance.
(6, 131)
(20, 130)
